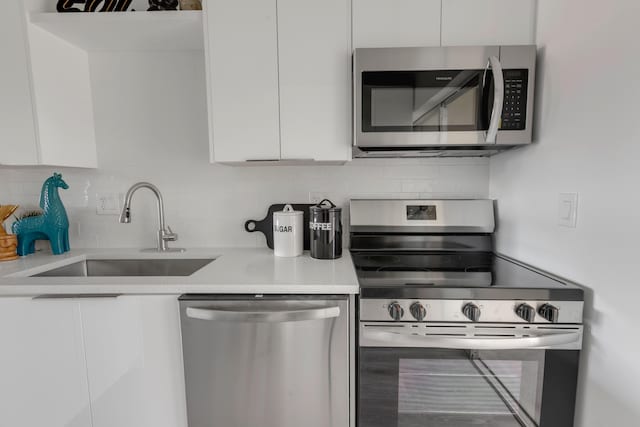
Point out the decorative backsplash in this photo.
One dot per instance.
(208, 204)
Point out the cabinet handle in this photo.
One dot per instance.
(77, 296)
(281, 160)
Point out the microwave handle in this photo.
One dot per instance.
(498, 99)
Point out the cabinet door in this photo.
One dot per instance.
(488, 22)
(396, 23)
(134, 361)
(18, 144)
(242, 74)
(42, 366)
(314, 40)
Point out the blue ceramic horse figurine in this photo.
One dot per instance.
(52, 224)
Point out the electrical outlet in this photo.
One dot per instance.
(317, 196)
(568, 209)
(107, 204)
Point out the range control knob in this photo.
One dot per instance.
(549, 312)
(395, 311)
(418, 311)
(526, 312)
(471, 311)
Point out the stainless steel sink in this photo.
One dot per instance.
(128, 267)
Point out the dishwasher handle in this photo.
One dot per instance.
(262, 316)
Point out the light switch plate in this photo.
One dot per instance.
(108, 204)
(568, 209)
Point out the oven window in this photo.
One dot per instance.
(476, 390)
(409, 101)
(413, 387)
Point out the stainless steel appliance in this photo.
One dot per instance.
(452, 334)
(266, 361)
(442, 101)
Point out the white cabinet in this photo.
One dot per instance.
(314, 48)
(134, 361)
(42, 364)
(279, 79)
(488, 22)
(17, 127)
(242, 72)
(91, 362)
(403, 23)
(396, 23)
(46, 106)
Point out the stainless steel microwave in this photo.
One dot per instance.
(442, 101)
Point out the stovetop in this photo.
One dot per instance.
(454, 275)
(433, 261)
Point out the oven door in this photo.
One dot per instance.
(414, 380)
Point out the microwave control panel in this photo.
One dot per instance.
(514, 110)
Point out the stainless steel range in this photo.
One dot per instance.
(452, 334)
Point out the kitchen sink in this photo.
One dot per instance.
(128, 267)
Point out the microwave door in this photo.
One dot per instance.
(460, 85)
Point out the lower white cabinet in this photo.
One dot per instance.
(43, 376)
(134, 361)
(99, 362)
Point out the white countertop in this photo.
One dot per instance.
(235, 270)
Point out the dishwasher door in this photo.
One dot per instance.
(266, 361)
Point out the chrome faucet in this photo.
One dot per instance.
(165, 234)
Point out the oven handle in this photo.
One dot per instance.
(470, 343)
(498, 99)
(263, 316)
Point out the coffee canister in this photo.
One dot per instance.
(288, 232)
(325, 223)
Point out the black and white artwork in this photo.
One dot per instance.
(163, 5)
(115, 5)
(93, 5)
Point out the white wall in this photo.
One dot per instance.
(142, 136)
(588, 141)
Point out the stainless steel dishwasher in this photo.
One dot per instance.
(266, 361)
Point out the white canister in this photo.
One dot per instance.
(288, 232)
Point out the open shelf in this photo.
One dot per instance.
(155, 31)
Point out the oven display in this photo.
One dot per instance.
(421, 213)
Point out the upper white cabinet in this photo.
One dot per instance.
(279, 80)
(46, 107)
(42, 364)
(488, 22)
(18, 144)
(241, 45)
(396, 23)
(314, 47)
(405, 23)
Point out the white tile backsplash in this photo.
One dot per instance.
(140, 138)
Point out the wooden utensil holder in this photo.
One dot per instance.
(8, 247)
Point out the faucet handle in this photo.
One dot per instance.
(169, 236)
